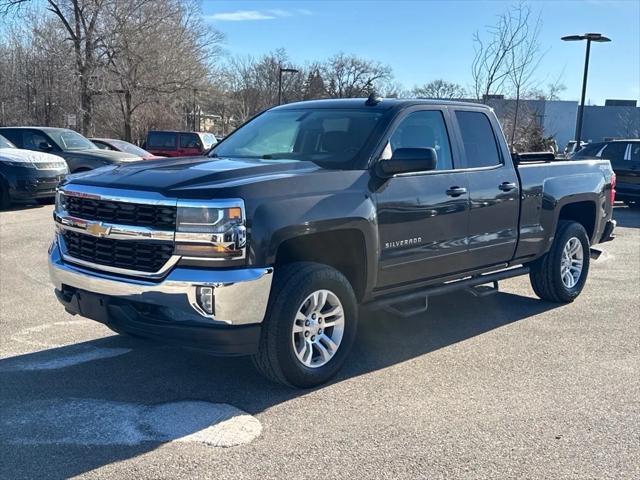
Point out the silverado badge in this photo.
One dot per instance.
(403, 243)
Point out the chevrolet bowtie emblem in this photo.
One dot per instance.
(98, 229)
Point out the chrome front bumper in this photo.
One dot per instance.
(241, 295)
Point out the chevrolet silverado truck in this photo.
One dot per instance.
(268, 246)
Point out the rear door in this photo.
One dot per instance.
(190, 145)
(163, 143)
(494, 189)
(422, 216)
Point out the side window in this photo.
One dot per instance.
(479, 139)
(590, 150)
(14, 136)
(423, 129)
(635, 152)
(162, 140)
(614, 152)
(32, 140)
(189, 140)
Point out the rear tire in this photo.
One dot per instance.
(559, 276)
(295, 350)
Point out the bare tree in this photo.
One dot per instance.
(252, 84)
(177, 62)
(35, 73)
(80, 20)
(351, 76)
(490, 66)
(524, 58)
(439, 89)
(551, 92)
(629, 121)
(314, 87)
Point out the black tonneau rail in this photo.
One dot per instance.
(530, 157)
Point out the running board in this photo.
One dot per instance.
(594, 253)
(483, 290)
(392, 304)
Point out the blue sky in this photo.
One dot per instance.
(426, 40)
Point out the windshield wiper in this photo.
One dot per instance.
(280, 156)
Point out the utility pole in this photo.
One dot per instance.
(589, 37)
(281, 71)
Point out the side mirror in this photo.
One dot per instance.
(406, 160)
(45, 146)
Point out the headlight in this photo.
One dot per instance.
(214, 230)
(51, 166)
(59, 207)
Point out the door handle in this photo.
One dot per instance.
(507, 186)
(456, 191)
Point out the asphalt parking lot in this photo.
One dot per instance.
(505, 386)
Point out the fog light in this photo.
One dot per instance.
(204, 296)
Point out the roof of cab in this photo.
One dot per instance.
(383, 103)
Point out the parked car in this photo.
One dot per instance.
(572, 147)
(26, 175)
(179, 144)
(267, 247)
(122, 146)
(79, 153)
(624, 156)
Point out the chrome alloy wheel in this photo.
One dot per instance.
(571, 263)
(318, 328)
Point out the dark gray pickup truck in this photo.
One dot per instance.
(268, 247)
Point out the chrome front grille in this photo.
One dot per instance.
(124, 213)
(140, 256)
(118, 231)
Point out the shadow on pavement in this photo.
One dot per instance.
(16, 207)
(627, 217)
(144, 374)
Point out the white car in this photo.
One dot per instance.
(27, 175)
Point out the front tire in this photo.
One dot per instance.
(309, 327)
(559, 276)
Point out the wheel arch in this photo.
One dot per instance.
(583, 212)
(344, 249)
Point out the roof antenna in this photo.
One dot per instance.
(373, 100)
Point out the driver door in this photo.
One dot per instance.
(422, 216)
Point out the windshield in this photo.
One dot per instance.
(590, 150)
(330, 137)
(4, 143)
(70, 140)
(129, 148)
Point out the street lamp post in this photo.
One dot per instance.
(589, 37)
(283, 70)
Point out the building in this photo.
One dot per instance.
(616, 119)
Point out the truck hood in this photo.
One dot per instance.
(192, 176)
(103, 155)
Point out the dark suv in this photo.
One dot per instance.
(624, 156)
(79, 152)
(179, 144)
